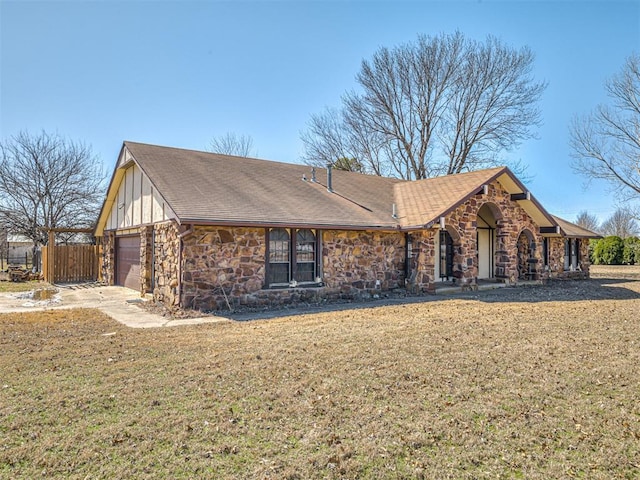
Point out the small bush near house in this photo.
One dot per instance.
(608, 251)
(631, 251)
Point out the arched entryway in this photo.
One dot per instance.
(527, 262)
(486, 225)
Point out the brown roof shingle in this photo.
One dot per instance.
(423, 201)
(209, 187)
(572, 230)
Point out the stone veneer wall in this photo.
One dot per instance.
(357, 261)
(146, 258)
(166, 252)
(225, 268)
(511, 221)
(423, 259)
(108, 266)
(223, 265)
(556, 260)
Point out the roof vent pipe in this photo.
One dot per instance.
(394, 212)
(329, 182)
(313, 175)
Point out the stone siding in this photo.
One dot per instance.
(556, 269)
(511, 222)
(166, 269)
(355, 261)
(423, 260)
(108, 266)
(219, 268)
(146, 258)
(225, 268)
(222, 267)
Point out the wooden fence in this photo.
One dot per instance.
(71, 263)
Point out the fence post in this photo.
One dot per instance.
(51, 257)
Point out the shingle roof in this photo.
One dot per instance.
(204, 187)
(209, 187)
(423, 201)
(572, 230)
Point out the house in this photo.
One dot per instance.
(18, 250)
(208, 231)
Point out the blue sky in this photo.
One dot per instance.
(180, 72)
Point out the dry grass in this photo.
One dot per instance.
(7, 286)
(500, 386)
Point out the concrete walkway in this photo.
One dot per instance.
(119, 303)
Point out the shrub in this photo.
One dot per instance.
(631, 251)
(608, 251)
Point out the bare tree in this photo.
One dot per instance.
(622, 223)
(439, 105)
(348, 165)
(47, 181)
(588, 221)
(232, 144)
(606, 143)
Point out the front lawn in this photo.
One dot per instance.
(454, 388)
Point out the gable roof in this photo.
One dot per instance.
(203, 187)
(210, 188)
(569, 229)
(424, 201)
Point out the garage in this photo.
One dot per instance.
(128, 261)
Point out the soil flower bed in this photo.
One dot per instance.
(539, 382)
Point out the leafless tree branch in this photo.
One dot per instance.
(232, 144)
(439, 105)
(47, 181)
(606, 143)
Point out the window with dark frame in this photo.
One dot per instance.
(279, 256)
(305, 270)
(567, 254)
(290, 260)
(545, 252)
(446, 255)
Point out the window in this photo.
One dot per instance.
(279, 265)
(545, 252)
(571, 254)
(291, 261)
(305, 256)
(446, 255)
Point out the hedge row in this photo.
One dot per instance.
(614, 250)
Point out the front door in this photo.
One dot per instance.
(485, 238)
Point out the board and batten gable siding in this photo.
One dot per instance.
(137, 202)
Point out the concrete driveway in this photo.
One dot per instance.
(121, 304)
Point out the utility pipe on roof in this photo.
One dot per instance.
(329, 179)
